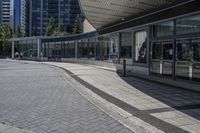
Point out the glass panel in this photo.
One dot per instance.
(105, 49)
(79, 42)
(156, 57)
(56, 53)
(29, 51)
(46, 49)
(83, 49)
(167, 58)
(183, 58)
(196, 50)
(66, 49)
(162, 58)
(114, 46)
(91, 47)
(98, 48)
(157, 51)
(167, 68)
(35, 48)
(163, 29)
(188, 24)
(72, 49)
(155, 67)
(167, 51)
(24, 49)
(196, 58)
(126, 45)
(183, 50)
(50, 51)
(141, 47)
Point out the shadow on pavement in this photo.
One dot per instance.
(185, 101)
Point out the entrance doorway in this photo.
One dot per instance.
(188, 59)
(162, 58)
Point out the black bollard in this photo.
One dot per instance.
(124, 68)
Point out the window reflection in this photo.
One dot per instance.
(183, 57)
(72, 49)
(91, 47)
(167, 51)
(141, 47)
(183, 50)
(157, 51)
(188, 24)
(126, 45)
(105, 47)
(114, 46)
(196, 50)
(83, 49)
(163, 29)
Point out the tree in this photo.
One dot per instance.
(18, 32)
(60, 30)
(6, 34)
(61, 27)
(51, 27)
(77, 26)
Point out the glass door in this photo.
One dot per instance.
(183, 59)
(188, 59)
(162, 58)
(196, 59)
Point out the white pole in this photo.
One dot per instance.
(38, 49)
(76, 50)
(13, 49)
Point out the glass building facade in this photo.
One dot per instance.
(63, 11)
(169, 48)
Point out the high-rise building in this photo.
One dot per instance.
(5, 8)
(12, 16)
(10, 13)
(63, 11)
(24, 17)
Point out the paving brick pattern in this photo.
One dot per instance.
(168, 108)
(35, 97)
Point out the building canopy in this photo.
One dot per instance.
(101, 13)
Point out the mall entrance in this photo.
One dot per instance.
(188, 59)
(162, 58)
(186, 64)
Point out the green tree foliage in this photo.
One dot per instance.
(54, 29)
(18, 32)
(51, 27)
(77, 26)
(6, 34)
(60, 30)
(61, 27)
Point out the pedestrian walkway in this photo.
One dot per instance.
(36, 97)
(9, 129)
(167, 108)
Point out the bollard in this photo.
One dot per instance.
(124, 68)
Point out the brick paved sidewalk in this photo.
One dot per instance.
(166, 108)
(38, 98)
(9, 129)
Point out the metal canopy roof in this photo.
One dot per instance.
(101, 13)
